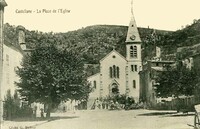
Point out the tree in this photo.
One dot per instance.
(176, 82)
(50, 75)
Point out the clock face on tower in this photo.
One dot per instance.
(132, 37)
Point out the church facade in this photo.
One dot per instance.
(119, 74)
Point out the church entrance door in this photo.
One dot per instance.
(114, 90)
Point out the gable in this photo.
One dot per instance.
(113, 56)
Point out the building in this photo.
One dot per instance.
(3, 4)
(152, 66)
(189, 56)
(12, 57)
(119, 74)
(13, 54)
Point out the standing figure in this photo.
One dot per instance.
(42, 112)
(35, 111)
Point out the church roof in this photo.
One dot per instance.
(13, 43)
(133, 34)
(13, 46)
(113, 51)
(97, 74)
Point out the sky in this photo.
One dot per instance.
(158, 14)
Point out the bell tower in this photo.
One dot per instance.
(133, 57)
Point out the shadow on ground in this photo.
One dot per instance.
(167, 114)
(181, 115)
(157, 113)
(56, 118)
(44, 119)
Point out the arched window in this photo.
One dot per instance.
(132, 68)
(94, 84)
(131, 51)
(111, 72)
(135, 51)
(134, 84)
(136, 69)
(114, 71)
(117, 72)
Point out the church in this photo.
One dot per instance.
(119, 74)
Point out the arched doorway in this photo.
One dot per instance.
(114, 89)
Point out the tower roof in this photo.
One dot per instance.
(132, 34)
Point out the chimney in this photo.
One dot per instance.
(21, 37)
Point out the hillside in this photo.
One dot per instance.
(185, 39)
(94, 42)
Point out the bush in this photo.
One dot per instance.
(25, 111)
(130, 104)
(12, 108)
(122, 102)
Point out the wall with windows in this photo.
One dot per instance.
(112, 70)
(134, 66)
(95, 84)
(12, 58)
(134, 79)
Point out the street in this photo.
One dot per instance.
(104, 119)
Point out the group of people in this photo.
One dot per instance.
(100, 104)
(105, 104)
(112, 104)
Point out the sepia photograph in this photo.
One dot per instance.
(97, 64)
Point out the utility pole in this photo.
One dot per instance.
(2, 5)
